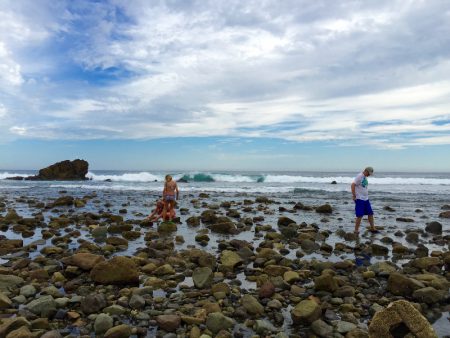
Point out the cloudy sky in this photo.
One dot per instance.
(287, 85)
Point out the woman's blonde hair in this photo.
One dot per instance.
(168, 177)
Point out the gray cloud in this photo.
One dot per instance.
(344, 71)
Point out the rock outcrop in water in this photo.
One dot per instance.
(63, 171)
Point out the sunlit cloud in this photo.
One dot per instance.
(302, 71)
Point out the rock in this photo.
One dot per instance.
(309, 246)
(229, 259)
(444, 214)
(63, 171)
(5, 302)
(216, 321)
(163, 270)
(325, 282)
(223, 225)
(103, 323)
(404, 219)
(169, 322)
(51, 334)
(307, 311)
(118, 270)
(193, 221)
(84, 260)
(21, 332)
(42, 306)
(99, 232)
(28, 290)
(208, 217)
(322, 329)
(357, 333)
(345, 291)
(412, 237)
(120, 331)
(401, 285)
(400, 319)
(62, 202)
(252, 305)
(264, 326)
(344, 327)
(383, 267)
(324, 209)
(136, 302)
(291, 276)
(202, 277)
(429, 295)
(167, 227)
(379, 250)
(262, 199)
(266, 290)
(10, 324)
(434, 228)
(285, 221)
(93, 303)
(426, 262)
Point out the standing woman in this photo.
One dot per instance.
(170, 194)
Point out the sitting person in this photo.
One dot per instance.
(158, 212)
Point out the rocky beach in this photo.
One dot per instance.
(80, 260)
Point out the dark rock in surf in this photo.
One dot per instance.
(63, 171)
(434, 228)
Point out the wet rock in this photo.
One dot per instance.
(202, 277)
(324, 209)
(401, 285)
(345, 291)
(22, 332)
(136, 302)
(325, 282)
(167, 227)
(118, 270)
(169, 322)
(429, 295)
(322, 329)
(412, 237)
(264, 327)
(216, 321)
(285, 221)
(266, 290)
(383, 267)
(84, 260)
(434, 228)
(229, 259)
(99, 232)
(400, 318)
(62, 201)
(5, 302)
(379, 250)
(307, 311)
(444, 214)
(309, 246)
(10, 324)
(233, 213)
(404, 219)
(426, 262)
(252, 305)
(42, 306)
(120, 331)
(93, 303)
(388, 208)
(193, 221)
(103, 323)
(208, 217)
(344, 327)
(223, 225)
(262, 199)
(63, 171)
(28, 290)
(51, 334)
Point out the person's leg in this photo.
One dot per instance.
(357, 224)
(371, 222)
(166, 208)
(171, 204)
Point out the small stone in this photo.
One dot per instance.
(103, 323)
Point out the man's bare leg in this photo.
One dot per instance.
(357, 224)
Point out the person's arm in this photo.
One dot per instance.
(164, 191)
(353, 191)
(176, 189)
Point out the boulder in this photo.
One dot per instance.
(434, 228)
(193, 221)
(324, 209)
(216, 321)
(169, 322)
(119, 331)
(444, 214)
(93, 303)
(426, 262)
(401, 285)
(229, 259)
(223, 225)
(429, 295)
(285, 221)
(166, 227)
(63, 171)
(252, 305)
(118, 270)
(307, 311)
(84, 260)
(42, 306)
(202, 277)
(325, 282)
(400, 319)
(208, 217)
(103, 323)
(10, 324)
(10, 281)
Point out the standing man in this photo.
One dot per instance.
(360, 194)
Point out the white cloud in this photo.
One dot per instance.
(304, 71)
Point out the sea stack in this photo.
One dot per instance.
(75, 170)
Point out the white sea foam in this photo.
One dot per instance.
(127, 177)
(6, 174)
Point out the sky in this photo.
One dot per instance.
(226, 85)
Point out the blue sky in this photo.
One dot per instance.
(291, 85)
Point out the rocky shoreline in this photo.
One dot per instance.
(80, 278)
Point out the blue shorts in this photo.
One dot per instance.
(169, 198)
(363, 208)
